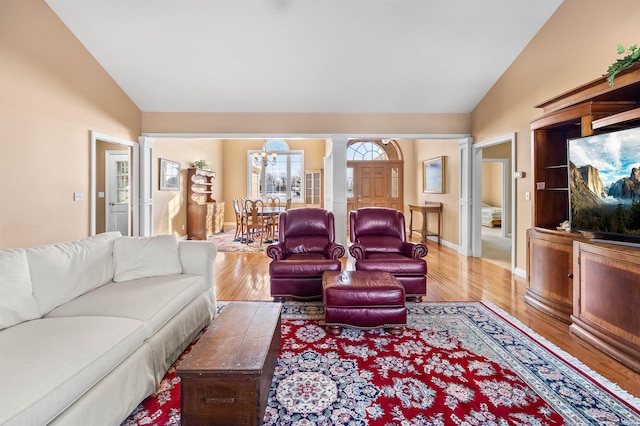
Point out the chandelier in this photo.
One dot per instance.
(264, 158)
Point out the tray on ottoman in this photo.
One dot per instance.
(227, 375)
(363, 299)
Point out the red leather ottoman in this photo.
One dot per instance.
(363, 299)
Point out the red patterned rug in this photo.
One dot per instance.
(456, 364)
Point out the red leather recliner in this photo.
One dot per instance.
(306, 248)
(378, 243)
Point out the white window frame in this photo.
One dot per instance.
(251, 166)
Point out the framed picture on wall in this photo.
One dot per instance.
(169, 175)
(433, 175)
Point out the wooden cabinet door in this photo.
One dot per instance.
(606, 296)
(550, 283)
(313, 188)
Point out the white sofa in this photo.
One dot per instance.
(88, 328)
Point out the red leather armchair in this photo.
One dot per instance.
(306, 248)
(378, 243)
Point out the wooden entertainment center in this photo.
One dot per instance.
(593, 286)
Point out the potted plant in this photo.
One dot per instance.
(632, 56)
(201, 164)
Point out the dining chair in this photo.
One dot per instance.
(255, 220)
(273, 201)
(240, 219)
(274, 219)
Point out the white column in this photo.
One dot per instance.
(337, 162)
(146, 185)
(465, 204)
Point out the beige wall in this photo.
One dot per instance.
(425, 150)
(52, 93)
(170, 207)
(492, 183)
(575, 46)
(304, 123)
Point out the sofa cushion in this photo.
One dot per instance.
(394, 264)
(47, 364)
(61, 272)
(17, 303)
(305, 266)
(142, 257)
(307, 244)
(381, 244)
(154, 301)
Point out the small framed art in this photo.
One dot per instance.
(433, 172)
(169, 175)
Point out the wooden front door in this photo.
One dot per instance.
(375, 183)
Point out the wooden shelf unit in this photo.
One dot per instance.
(205, 216)
(593, 108)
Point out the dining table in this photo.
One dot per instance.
(270, 212)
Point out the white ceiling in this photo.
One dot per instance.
(345, 56)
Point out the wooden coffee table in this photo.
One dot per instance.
(227, 375)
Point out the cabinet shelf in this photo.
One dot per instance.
(621, 117)
(205, 216)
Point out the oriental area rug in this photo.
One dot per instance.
(455, 364)
(226, 242)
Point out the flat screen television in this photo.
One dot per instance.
(604, 185)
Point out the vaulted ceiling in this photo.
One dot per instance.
(344, 56)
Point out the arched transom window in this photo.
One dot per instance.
(366, 151)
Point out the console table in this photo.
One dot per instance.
(428, 207)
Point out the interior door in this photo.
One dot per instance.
(117, 179)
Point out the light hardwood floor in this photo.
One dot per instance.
(450, 277)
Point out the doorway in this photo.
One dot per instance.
(100, 144)
(374, 174)
(117, 195)
(496, 244)
(504, 150)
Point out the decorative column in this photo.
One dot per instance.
(335, 189)
(146, 185)
(465, 213)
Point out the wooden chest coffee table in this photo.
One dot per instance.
(227, 375)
